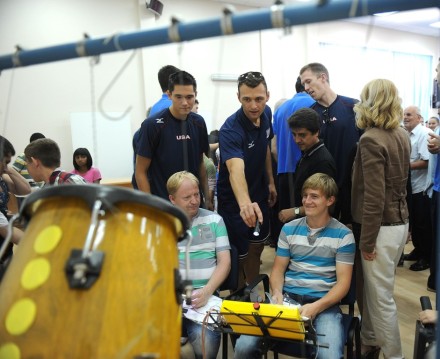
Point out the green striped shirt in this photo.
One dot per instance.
(209, 237)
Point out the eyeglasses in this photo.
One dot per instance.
(326, 116)
(251, 76)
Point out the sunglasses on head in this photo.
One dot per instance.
(252, 76)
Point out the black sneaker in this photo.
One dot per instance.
(421, 264)
(412, 256)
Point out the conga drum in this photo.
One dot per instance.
(95, 276)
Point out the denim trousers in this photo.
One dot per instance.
(194, 332)
(328, 326)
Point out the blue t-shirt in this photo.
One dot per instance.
(288, 151)
(340, 134)
(173, 145)
(160, 105)
(239, 138)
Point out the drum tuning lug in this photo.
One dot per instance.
(184, 288)
(82, 272)
(188, 291)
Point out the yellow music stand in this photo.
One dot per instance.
(273, 320)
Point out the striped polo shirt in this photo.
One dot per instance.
(313, 255)
(209, 237)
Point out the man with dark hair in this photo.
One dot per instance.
(10, 181)
(20, 164)
(173, 140)
(43, 158)
(164, 102)
(285, 150)
(163, 76)
(338, 130)
(245, 186)
(305, 124)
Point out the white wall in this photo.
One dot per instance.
(42, 97)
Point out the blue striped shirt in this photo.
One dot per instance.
(313, 256)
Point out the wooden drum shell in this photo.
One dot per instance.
(130, 311)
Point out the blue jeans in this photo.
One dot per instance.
(212, 339)
(328, 323)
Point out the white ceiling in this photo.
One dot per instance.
(416, 21)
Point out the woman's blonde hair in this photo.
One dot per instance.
(380, 105)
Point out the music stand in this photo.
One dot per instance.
(271, 322)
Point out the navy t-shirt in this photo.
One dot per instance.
(239, 138)
(173, 145)
(339, 133)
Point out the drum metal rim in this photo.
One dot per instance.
(113, 195)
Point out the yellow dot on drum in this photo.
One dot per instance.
(20, 316)
(48, 239)
(35, 273)
(9, 351)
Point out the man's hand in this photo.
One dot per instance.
(250, 213)
(369, 256)
(7, 170)
(199, 298)
(434, 143)
(309, 310)
(428, 316)
(272, 195)
(286, 215)
(277, 297)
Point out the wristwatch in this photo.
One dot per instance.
(296, 211)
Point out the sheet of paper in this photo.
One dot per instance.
(198, 314)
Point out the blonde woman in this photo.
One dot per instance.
(380, 212)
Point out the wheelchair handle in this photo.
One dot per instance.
(425, 302)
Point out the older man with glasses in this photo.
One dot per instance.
(246, 187)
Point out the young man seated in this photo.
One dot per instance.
(313, 266)
(43, 158)
(210, 260)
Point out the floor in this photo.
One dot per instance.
(409, 287)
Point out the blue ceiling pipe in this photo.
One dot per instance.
(230, 23)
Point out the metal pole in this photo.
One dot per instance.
(230, 23)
